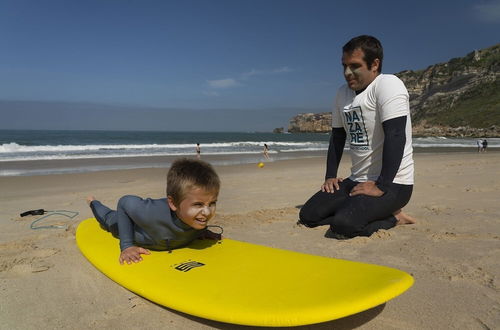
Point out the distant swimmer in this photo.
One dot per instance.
(266, 151)
(198, 151)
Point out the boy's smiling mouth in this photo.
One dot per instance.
(201, 221)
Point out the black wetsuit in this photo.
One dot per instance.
(149, 223)
(360, 215)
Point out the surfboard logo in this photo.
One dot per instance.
(188, 265)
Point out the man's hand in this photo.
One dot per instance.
(132, 254)
(331, 185)
(367, 188)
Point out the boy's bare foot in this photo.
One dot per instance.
(403, 218)
(90, 199)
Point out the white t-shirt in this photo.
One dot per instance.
(362, 115)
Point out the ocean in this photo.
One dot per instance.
(32, 152)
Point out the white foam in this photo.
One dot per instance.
(13, 151)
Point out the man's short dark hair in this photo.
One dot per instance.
(371, 47)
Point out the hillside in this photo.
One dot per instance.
(462, 92)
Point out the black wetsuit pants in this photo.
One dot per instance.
(359, 215)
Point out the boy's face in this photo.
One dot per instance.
(196, 209)
(356, 72)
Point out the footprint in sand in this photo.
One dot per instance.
(444, 236)
(467, 273)
(24, 258)
(437, 209)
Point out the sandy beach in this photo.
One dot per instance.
(453, 251)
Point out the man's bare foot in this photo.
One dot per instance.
(403, 218)
(90, 199)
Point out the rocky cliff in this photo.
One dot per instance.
(458, 98)
(311, 123)
(463, 92)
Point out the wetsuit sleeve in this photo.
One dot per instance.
(125, 223)
(394, 144)
(335, 150)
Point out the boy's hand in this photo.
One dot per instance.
(210, 235)
(132, 254)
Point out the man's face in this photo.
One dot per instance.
(356, 72)
(196, 209)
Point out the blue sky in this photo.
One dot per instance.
(209, 65)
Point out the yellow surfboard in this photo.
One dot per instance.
(242, 283)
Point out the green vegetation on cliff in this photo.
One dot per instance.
(478, 107)
(464, 91)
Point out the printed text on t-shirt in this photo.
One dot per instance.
(356, 127)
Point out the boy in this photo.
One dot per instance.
(167, 223)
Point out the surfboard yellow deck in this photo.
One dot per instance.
(242, 283)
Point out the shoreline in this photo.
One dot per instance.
(84, 165)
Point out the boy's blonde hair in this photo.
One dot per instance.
(186, 174)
